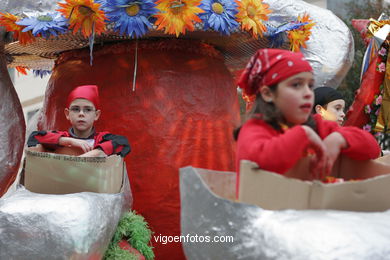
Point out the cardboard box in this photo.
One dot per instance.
(275, 192)
(51, 173)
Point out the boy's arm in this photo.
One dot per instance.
(94, 153)
(114, 144)
(360, 144)
(48, 139)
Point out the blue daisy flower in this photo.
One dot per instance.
(46, 25)
(277, 36)
(131, 17)
(41, 73)
(219, 15)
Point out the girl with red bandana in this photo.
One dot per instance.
(281, 129)
(82, 111)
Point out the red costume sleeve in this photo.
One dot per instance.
(112, 144)
(271, 150)
(361, 144)
(49, 139)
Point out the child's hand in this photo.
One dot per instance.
(73, 142)
(94, 153)
(319, 162)
(334, 143)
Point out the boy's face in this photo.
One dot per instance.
(333, 111)
(82, 114)
(337, 108)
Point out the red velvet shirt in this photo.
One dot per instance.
(278, 151)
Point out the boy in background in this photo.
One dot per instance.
(82, 110)
(330, 104)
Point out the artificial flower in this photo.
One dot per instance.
(277, 36)
(131, 17)
(382, 51)
(367, 109)
(381, 67)
(367, 128)
(378, 100)
(85, 15)
(177, 16)
(299, 36)
(377, 112)
(41, 73)
(219, 15)
(45, 25)
(9, 22)
(251, 15)
(21, 70)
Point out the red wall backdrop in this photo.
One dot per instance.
(182, 113)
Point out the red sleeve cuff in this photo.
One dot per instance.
(107, 147)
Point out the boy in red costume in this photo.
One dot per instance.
(82, 110)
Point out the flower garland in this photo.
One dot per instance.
(373, 109)
(134, 18)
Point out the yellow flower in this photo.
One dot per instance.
(177, 16)
(251, 14)
(299, 37)
(84, 15)
(9, 22)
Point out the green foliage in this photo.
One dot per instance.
(114, 252)
(135, 230)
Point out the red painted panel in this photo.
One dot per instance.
(13, 129)
(182, 113)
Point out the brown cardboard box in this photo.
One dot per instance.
(275, 192)
(51, 173)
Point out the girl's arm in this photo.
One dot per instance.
(278, 152)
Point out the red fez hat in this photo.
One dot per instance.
(270, 66)
(88, 92)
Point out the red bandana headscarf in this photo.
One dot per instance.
(88, 92)
(270, 66)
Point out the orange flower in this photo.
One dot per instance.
(21, 70)
(177, 16)
(9, 22)
(84, 15)
(299, 37)
(251, 14)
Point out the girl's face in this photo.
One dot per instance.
(294, 98)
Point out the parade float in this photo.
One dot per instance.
(370, 109)
(165, 72)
